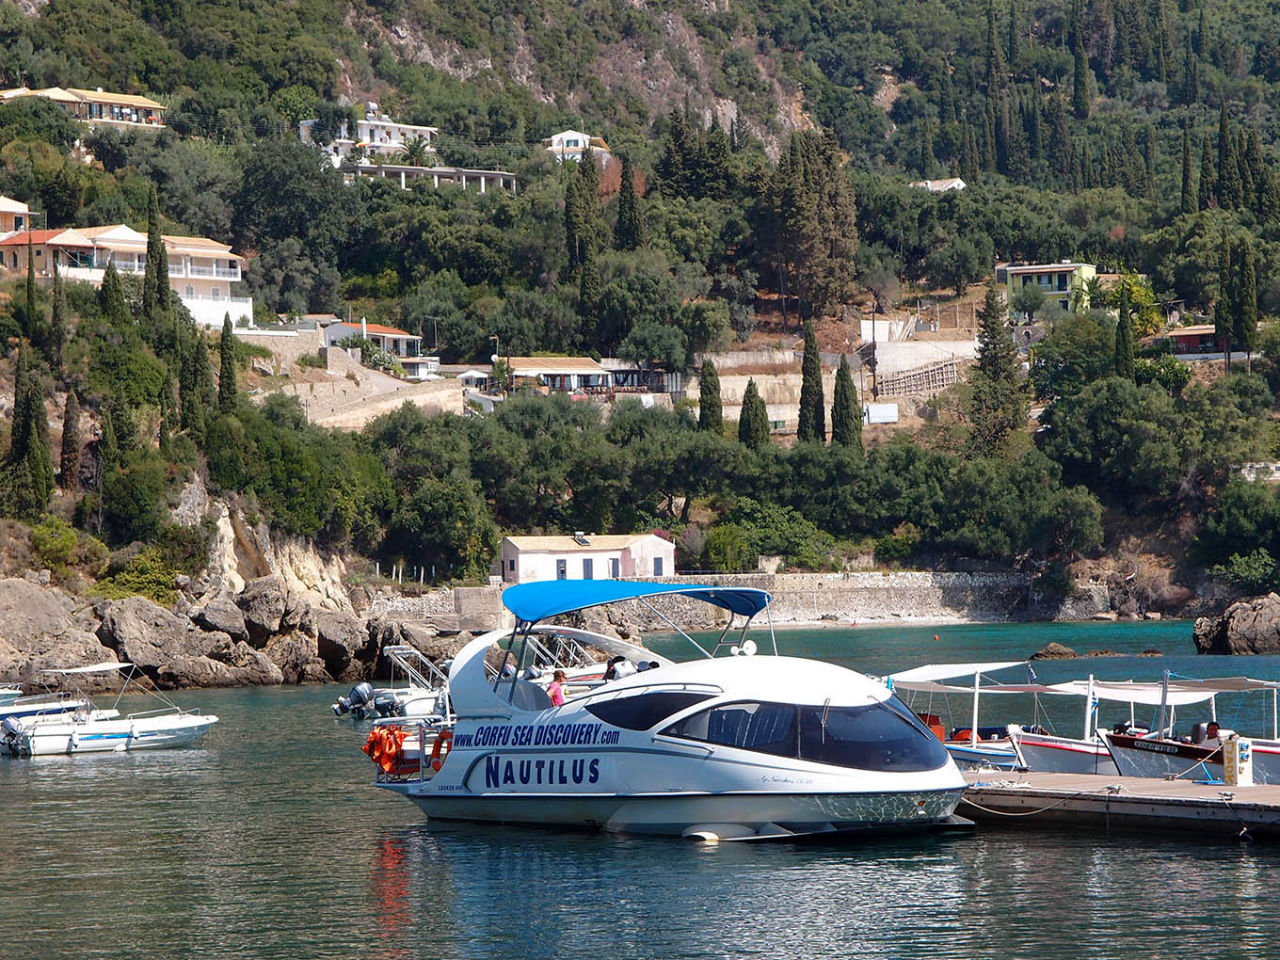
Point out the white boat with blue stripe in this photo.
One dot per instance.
(93, 730)
(720, 747)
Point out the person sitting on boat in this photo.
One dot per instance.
(618, 668)
(555, 689)
(1212, 736)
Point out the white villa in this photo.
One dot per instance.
(14, 215)
(572, 144)
(96, 106)
(201, 271)
(377, 136)
(406, 347)
(941, 186)
(582, 557)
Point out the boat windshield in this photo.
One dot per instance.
(880, 736)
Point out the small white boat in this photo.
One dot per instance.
(8, 694)
(42, 704)
(973, 747)
(91, 730)
(718, 748)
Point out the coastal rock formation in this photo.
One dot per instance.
(1055, 651)
(236, 665)
(295, 656)
(43, 629)
(147, 634)
(222, 614)
(1249, 626)
(264, 602)
(344, 644)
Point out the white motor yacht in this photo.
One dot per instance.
(735, 747)
(424, 693)
(93, 730)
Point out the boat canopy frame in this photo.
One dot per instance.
(542, 599)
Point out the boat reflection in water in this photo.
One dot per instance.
(736, 747)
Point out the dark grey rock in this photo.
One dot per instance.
(221, 613)
(1246, 627)
(264, 602)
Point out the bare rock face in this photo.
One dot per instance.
(1249, 626)
(232, 665)
(42, 629)
(295, 656)
(222, 614)
(343, 643)
(264, 602)
(147, 634)
(426, 639)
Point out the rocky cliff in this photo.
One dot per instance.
(1248, 626)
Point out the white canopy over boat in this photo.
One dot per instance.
(105, 667)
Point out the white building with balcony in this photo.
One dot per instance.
(377, 136)
(586, 557)
(201, 271)
(96, 107)
(404, 346)
(573, 145)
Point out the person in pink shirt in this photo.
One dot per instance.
(556, 688)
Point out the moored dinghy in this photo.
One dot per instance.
(90, 730)
(733, 747)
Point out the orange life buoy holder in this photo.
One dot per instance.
(440, 749)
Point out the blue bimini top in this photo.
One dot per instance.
(532, 602)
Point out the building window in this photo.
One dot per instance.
(562, 569)
(191, 292)
(615, 568)
(511, 565)
(19, 222)
(587, 567)
(657, 566)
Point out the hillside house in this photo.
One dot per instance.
(376, 137)
(941, 186)
(14, 215)
(96, 107)
(1059, 281)
(573, 144)
(561, 374)
(404, 346)
(586, 557)
(201, 271)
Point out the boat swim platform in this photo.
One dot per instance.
(1177, 808)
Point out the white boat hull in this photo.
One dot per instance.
(1165, 758)
(724, 816)
(1049, 754)
(50, 737)
(986, 755)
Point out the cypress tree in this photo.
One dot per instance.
(846, 413)
(1247, 198)
(1246, 328)
(111, 298)
(1223, 308)
(1190, 76)
(1188, 192)
(588, 284)
(995, 62)
(30, 326)
(1124, 335)
(165, 438)
(1081, 99)
(28, 466)
(753, 424)
(710, 409)
(1012, 51)
(989, 136)
(151, 279)
(69, 463)
(227, 368)
(813, 417)
(626, 235)
(1206, 191)
(57, 337)
(108, 447)
(124, 423)
(999, 402)
(1229, 187)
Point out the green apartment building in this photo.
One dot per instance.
(1059, 281)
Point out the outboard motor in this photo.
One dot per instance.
(386, 705)
(361, 695)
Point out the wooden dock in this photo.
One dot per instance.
(1173, 807)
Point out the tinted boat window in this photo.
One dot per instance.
(763, 727)
(881, 736)
(642, 711)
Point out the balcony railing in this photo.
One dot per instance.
(198, 271)
(227, 273)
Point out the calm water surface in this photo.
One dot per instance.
(270, 842)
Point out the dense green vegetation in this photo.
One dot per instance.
(1135, 134)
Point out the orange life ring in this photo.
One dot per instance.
(440, 749)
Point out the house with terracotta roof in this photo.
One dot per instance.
(561, 374)
(96, 107)
(586, 557)
(201, 271)
(404, 346)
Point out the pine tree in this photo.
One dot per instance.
(813, 424)
(1224, 323)
(627, 233)
(753, 423)
(710, 409)
(227, 368)
(1246, 305)
(1188, 191)
(1206, 190)
(999, 402)
(69, 463)
(846, 413)
(1081, 97)
(1124, 335)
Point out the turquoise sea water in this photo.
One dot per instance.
(270, 842)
